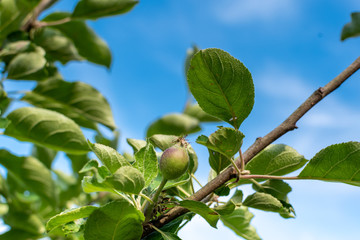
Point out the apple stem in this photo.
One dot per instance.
(150, 206)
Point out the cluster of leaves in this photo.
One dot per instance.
(105, 198)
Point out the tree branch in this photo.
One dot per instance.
(31, 19)
(288, 125)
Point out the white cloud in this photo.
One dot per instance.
(242, 11)
(282, 85)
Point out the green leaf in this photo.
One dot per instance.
(167, 235)
(47, 128)
(222, 85)
(100, 173)
(77, 161)
(171, 183)
(136, 144)
(23, 65)
(276, 159)
(76, 100)
(239, 222)
(88, 44)
(147, 163)
(91, 184)
(13, 13)
(263, 201)
(31, 172)
(115, 220)
(56, 44)
(19, 234)
(163, 141)
(4, 122)
(351, 29)
(194, 110)
(203, 210)
(217, 161)
(93, 9)
(229, 207)
(189, 55)
(339, 162)
(113, 142)
(174, 124)
(44, 154)
(226, 141)
(127, 179)
(277, 188)
(68, 216)
(109, 157)
(25, 221)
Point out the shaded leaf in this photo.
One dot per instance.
(189, 55)
(222, 85)
(163, 141)
(44, 154)
(47, 128)
(127, 179)
(23, 65)
(100, 173)
(68, 216)
(203, 210)
(76, 100)
(239, 222)
(91, 184)
(25, 221)
(170, 183)
(19, 234)
(263, 201)
(276, 159)
(113, 142)
(109, 157)
(277, 188)
(338, 162)
(226, 141)
(147, 163)
(13, 13)
(56, 45)
(88, 44)
(93, 9)
(4, 122)
(194, 110)
(115, 220)
(217, 161)
(351, 29)
(174, 124)
(34, 174)
(229, 206)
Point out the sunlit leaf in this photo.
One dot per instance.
(47, 128)
(222, 85)
(115, 220)
(147, 163)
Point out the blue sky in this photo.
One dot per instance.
(291, 49)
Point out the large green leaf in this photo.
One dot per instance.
(76, 100)
(339, 162)
(109, 157)
(222, 85)
(226, 141)
(276, 159)
(267, 202)
(12, 15)
(194, 110)
(351, 29)
(115, 220)
(32, 173)
(19, 234)
(56, 44)
(174, 124)
(127, 179)
(88, 43)
(203, 210)
(25, 65)
(147, 163)
(68, 216)
(239, 222)
(47, 128)
(93, 9)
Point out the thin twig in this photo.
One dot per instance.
(31, 19)
(260, 143)
(38, 24)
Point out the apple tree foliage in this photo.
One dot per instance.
(109, 197)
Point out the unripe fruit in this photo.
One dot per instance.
(174, 162)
